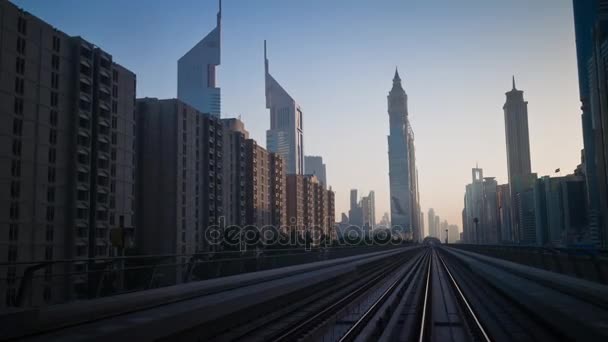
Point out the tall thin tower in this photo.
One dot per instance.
(517, 135)
(286, 133)
(405, 208)
(518, 155)
(196, 76)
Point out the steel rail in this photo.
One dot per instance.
(426, 301)
(296, 331)
(355, 328)
(478, 324)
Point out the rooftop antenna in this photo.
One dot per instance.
(219, 13)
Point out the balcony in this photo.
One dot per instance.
(85, 87)
(106, 63)
(84, 104)
(85, 69)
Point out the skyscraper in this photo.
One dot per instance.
(372, 208)
(196, 79)
(422, 224)
(561, 211)
(355, 214)
(436, 223)
(368, 210)
(518, 152)
(586, 15)
(453, 235)
(385, 221)
(354, 199)
(503, 197)
(313, 165)
(480, 217)
(443, 231)
(516, 134)
(431, 222)
(405, 208)
(285, 135)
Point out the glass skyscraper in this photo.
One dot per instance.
(196, 79)
(285, 135)
(405, 208)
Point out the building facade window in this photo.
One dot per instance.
(17, 126)
(16, 147)
(18, 106)
(56, 44)
(19, 85)
(20, 66)
(20, 45)
(55, 62)
(15, 189)
(13, 232)
(22, 25)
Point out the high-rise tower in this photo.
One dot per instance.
(431, 223)
(285, 135)
(196, 81)
(518, 161)
(314, 166)
(591, 27)
(405, 208)
(517, 135)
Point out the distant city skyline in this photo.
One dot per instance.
(456, 64)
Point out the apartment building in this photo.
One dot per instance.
(67, 132)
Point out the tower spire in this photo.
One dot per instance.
(396, 78)
(219, 14)
(514, 82)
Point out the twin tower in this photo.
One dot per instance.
(197, 86)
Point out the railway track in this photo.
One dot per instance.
(503, 315)
(439, 310)
(420, 294)
(447, 314)
(313, 317)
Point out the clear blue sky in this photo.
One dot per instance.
(337, 59)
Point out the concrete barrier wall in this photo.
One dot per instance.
(582, 264)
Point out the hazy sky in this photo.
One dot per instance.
(337, 58)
